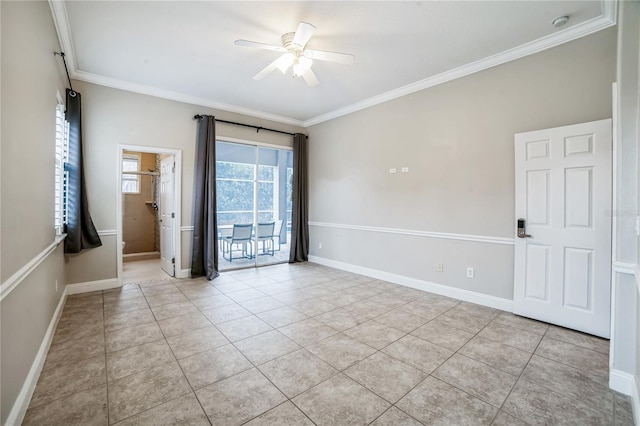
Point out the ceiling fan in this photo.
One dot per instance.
(295, 54)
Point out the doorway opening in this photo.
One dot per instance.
(253, 188)
(148, 212)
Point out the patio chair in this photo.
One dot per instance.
(224, 231)
(276, 232)
(240, 236)
(265, 235)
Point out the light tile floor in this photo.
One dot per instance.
(143, 270)
(304, 344)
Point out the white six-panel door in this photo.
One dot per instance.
(563, 192)
(166, 216)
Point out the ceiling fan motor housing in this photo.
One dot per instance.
(287, 42)
(300, 63)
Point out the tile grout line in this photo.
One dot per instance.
(376, 350)
(232, 343)
(563, 394)
(175, 359)
(255, 366)
(518, 377)
(377, 292)
(193, 391)
(241, 353)
(451, 356)
(586, 372)
(518, 381)
(103, 332)
(338, 372)
(140, 344)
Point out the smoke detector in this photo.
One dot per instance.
(560, 21)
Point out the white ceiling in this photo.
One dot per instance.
(184, 50)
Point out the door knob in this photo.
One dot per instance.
(522, 231)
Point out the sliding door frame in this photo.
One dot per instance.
(257, 146)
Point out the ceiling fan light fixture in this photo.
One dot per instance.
(285, 62)
(301, 65)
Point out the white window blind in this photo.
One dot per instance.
(61, 176)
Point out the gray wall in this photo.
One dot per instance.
(112, 117)
(31, 76)
(457, 140)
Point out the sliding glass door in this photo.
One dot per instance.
(273, 205)
(254, 204)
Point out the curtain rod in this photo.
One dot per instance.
(258, 128)
(61, 54)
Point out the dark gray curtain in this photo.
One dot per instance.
(300, 214)
(204, 255)
(81, 233)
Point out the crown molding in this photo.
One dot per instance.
(180, 97)
(61, 22)
(607, 19)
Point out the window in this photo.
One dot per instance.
(234, 183)
(130, 182)
(61, 175)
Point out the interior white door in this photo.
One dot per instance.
(167, 216)
(563, 193)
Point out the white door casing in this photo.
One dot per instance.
(167, 216)
(563, 191)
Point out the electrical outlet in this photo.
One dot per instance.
(392, 171)
(469, 272)
(56, 286)
(405, 170)
(439, 267)
(319, 245)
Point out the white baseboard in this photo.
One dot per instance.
(635, 401)
(183, 273)
(626, 384)
(93, 286)
(621, 382)
(21, 404)
(444, 290)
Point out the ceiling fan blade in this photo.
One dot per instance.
(321, 55)
(310, 78)
(256, 45)
(303, 34)
(266, 70)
